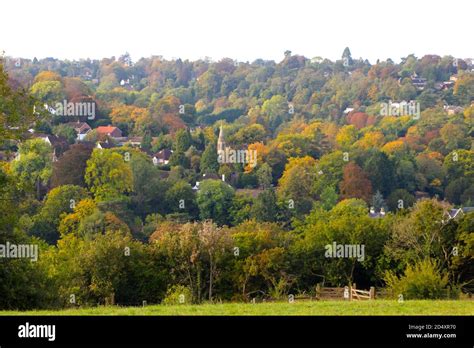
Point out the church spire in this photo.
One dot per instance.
(221, 141)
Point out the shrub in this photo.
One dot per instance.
(178, 294)
(420, 281)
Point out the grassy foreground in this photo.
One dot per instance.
(377, 307)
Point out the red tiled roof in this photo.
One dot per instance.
(106, 129)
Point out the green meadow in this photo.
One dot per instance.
(337, 308)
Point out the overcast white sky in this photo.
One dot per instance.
(239, 29)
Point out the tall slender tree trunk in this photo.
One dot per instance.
(211, 272)
(38, 189)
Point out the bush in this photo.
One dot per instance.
(420, 281)
(178, 294)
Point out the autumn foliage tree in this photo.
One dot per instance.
(355, 183)
(108, 175)
(71, 166)
(360, 119)
(296, 184)
(16, 109)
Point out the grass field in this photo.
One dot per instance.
(377, 307)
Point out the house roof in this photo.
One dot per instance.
(53, 139)
(453, 213)
(210, 176)
(147, 152)
(164, 154)
(106, 129)
(79, 127)
(57, 140)
(105, 144)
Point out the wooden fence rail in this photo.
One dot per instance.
(323, 293)
(347, 293)
(356, 294)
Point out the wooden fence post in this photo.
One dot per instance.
(350, 293)
(318, 291)
(372, 293)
